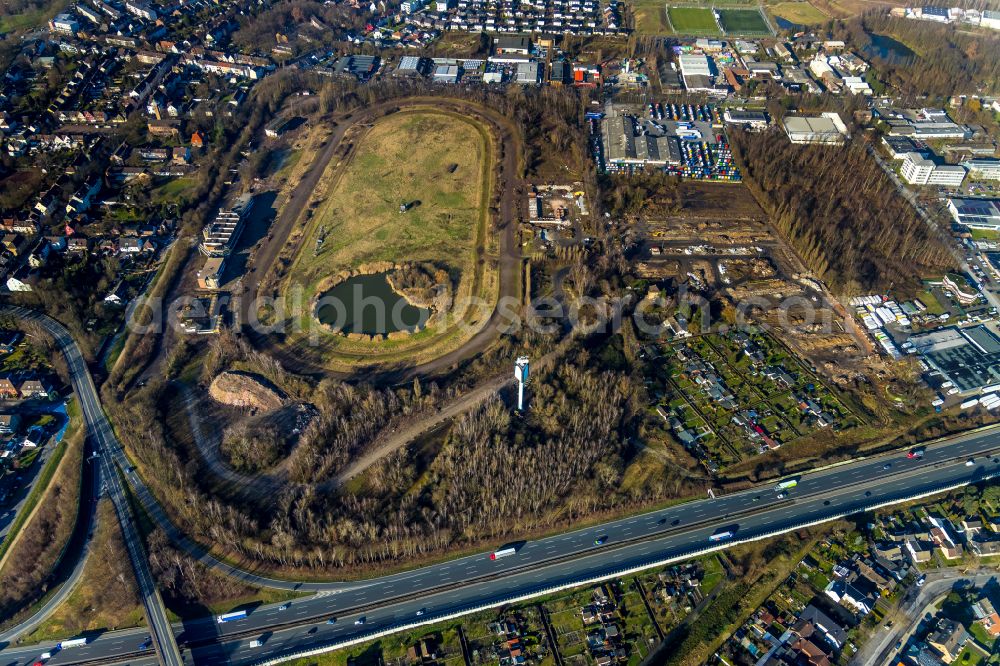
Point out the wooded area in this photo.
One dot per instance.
(840, 212)
(945, 60)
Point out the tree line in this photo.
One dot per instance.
(840, 212)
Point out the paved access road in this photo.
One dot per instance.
(918, 604)
(648, 539)
(109, 449)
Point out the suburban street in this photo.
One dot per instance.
(915, 607)
(24, 490)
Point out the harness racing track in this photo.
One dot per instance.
(290, 238)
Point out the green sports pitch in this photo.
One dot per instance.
(743, 22)
(693, 21)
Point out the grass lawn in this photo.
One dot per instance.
(173, 191)
(31, 19)
(801, 13)
(968, 657)
(984, 234)
(405, 157)
(651, 17)
(931, 302)
(693, 21)
(744, 22)
(714, 574)
(981, 636)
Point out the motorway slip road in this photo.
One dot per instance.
(649, 539)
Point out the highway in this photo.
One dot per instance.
(650, 539)
(459, 585)
(106, 444)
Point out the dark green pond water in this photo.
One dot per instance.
(368, 304)
(887, 48)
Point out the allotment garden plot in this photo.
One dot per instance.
(730, 396)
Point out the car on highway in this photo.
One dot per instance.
(332, 620)
(915, 454)
(970, 462)
(887, 466)
(921, 580)
(781, 495)
(146, 643)
(283, 607)
(361, 620)
(600, 541)
(421, 612)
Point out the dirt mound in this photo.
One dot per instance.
(241, 389)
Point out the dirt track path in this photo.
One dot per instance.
(268, 484)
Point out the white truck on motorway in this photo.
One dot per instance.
(73, 642)
(503, 552)
(787, 484)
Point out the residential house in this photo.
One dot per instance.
(985, 545)
(948, 639)
(813, 621)
(7, 389)
(972, 526)
(993, 522)
(9, 423)
(987, 616)
(33, 438)
(131, 245)
(33, 388)
(77, 244)
(852, 596)
(918, 551)
(13, 243)
(810, 653)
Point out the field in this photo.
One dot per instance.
(693, 21)
(403, 158)
(440, 164)
(743, 22)
(651, 17)
(801, 13)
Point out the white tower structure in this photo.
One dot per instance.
(521, 375)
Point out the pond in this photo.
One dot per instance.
(785, 24)
(368, 304)
(887, 48)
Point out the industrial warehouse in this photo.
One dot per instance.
(966, 359)
(685, 140)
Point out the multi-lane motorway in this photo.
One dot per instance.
(452, 587)
(106, 445)
(456, 586)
